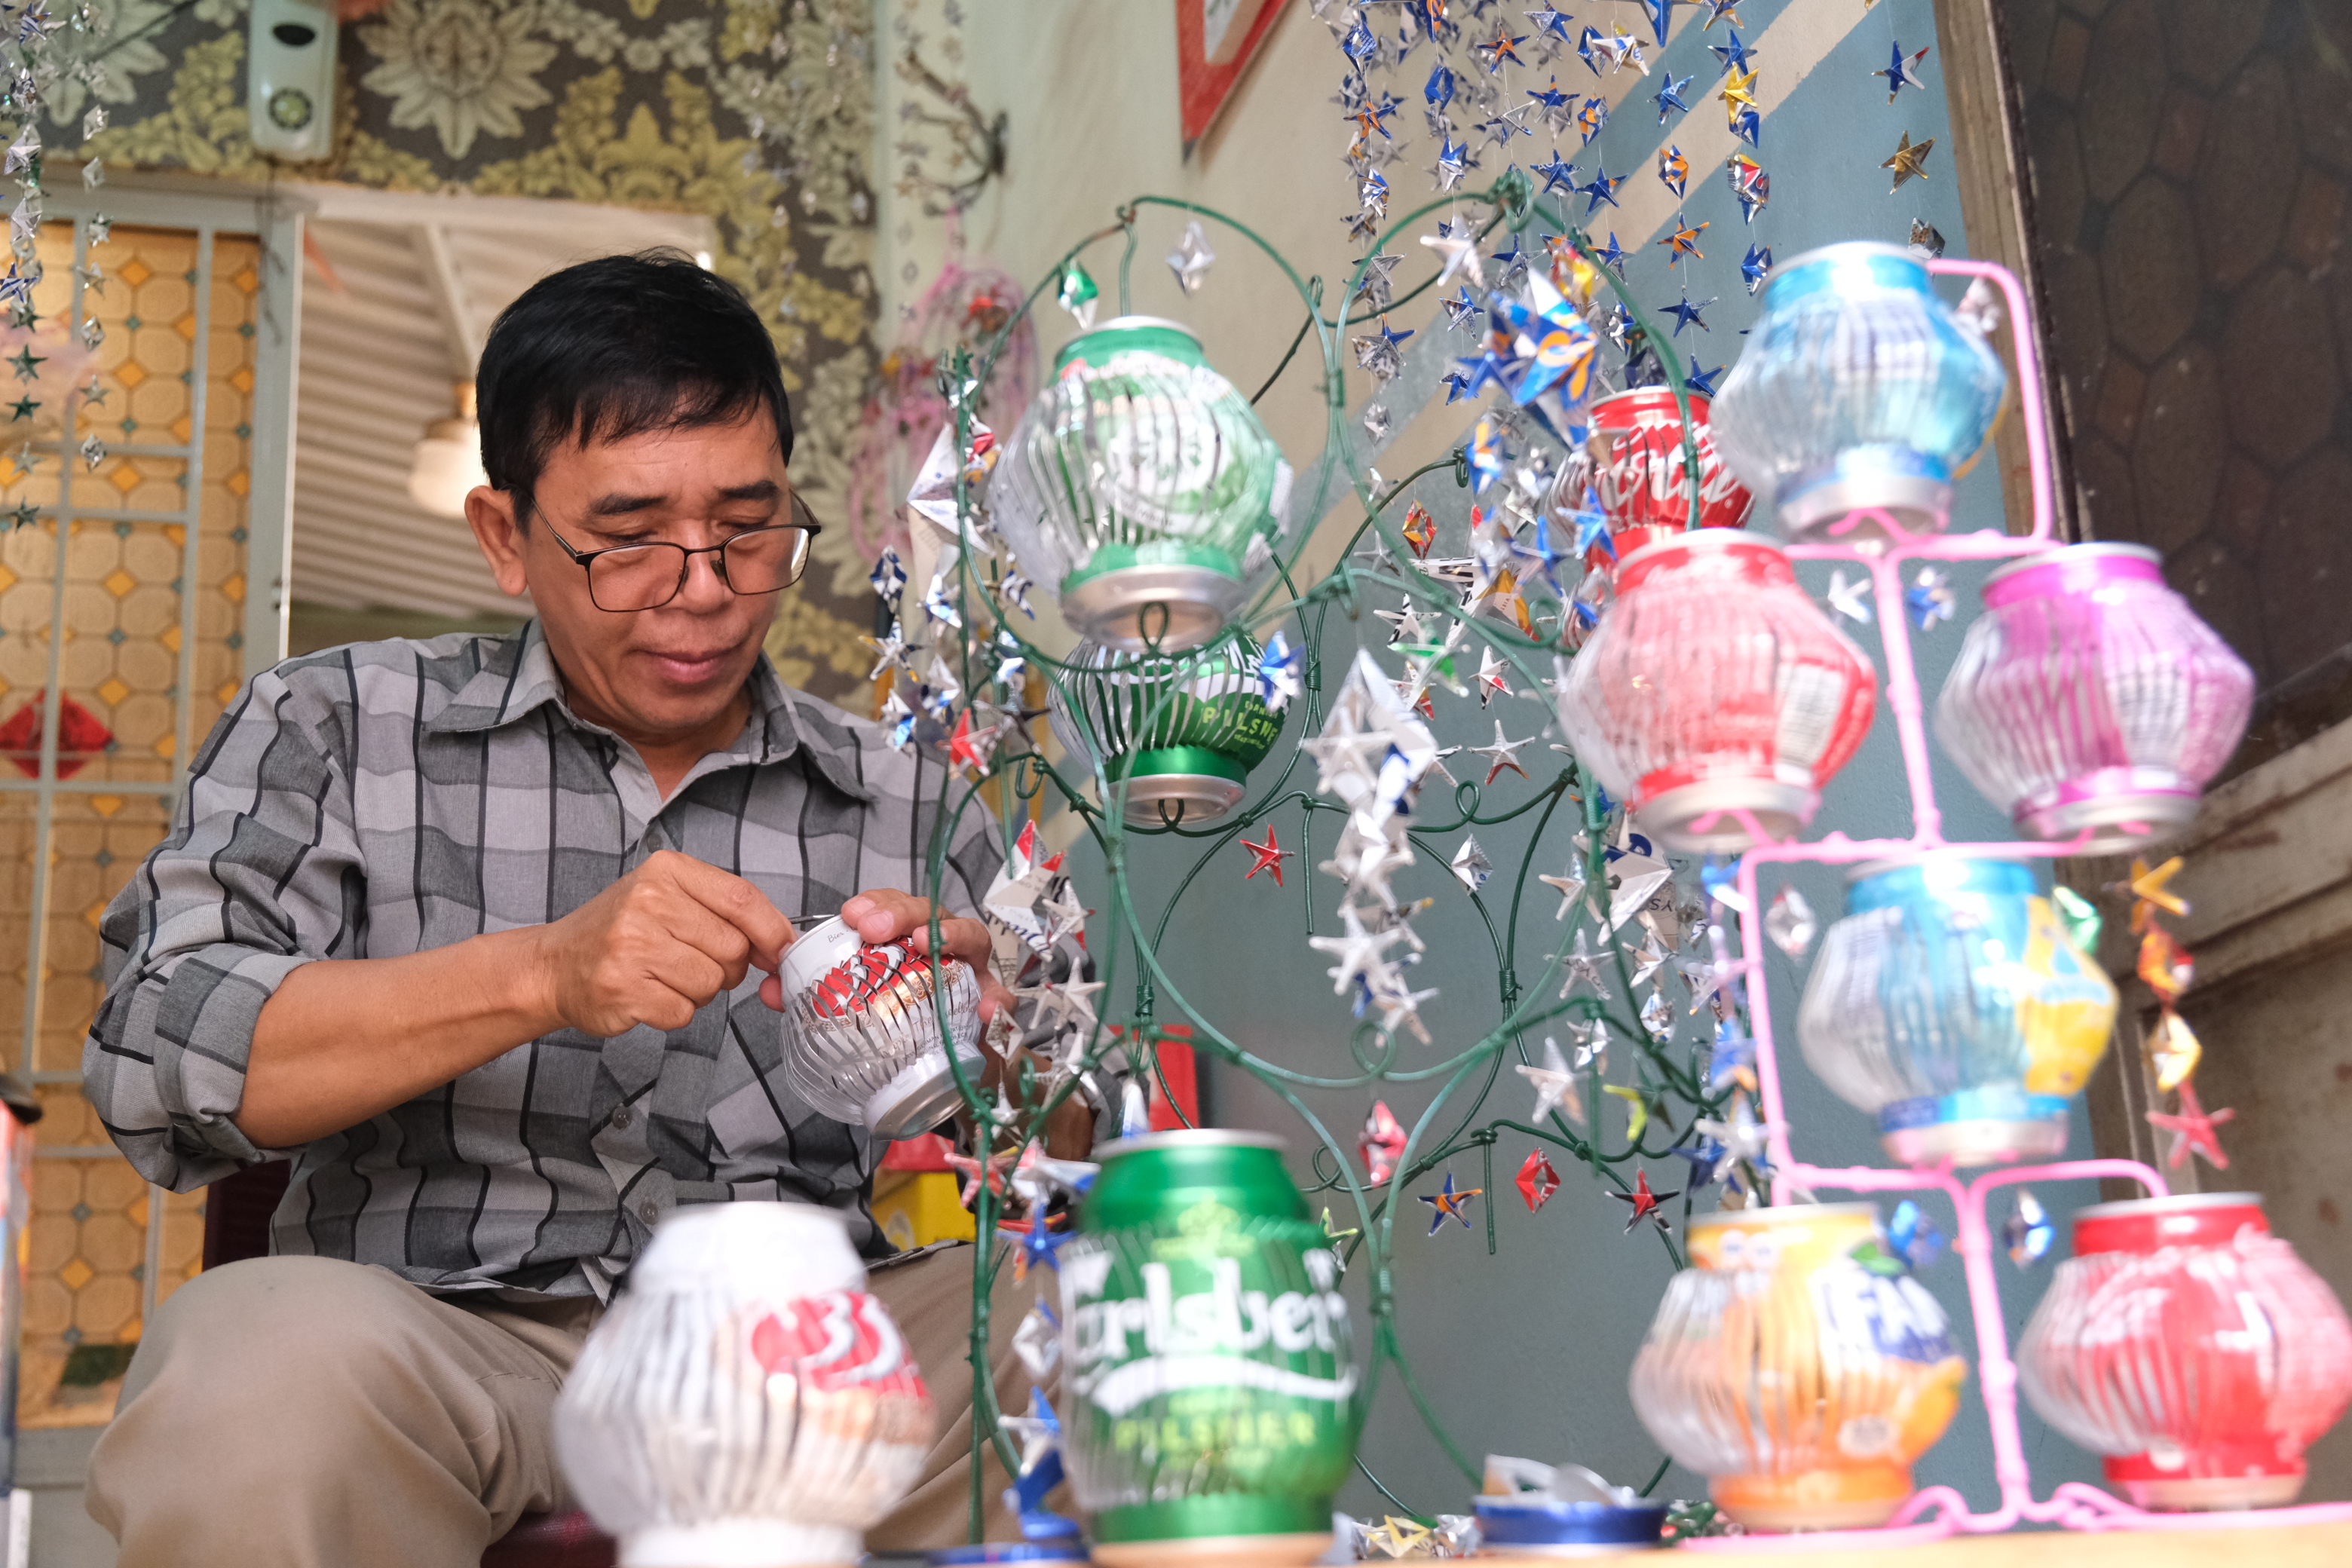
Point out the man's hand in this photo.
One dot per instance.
(658, 945)
(886, 914)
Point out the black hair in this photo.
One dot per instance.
(614, 347)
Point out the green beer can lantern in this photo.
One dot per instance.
(1210, 1409)
(1136, 485)
(1183, 732)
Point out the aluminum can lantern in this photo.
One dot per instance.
(862, 1039)
(1635, 447)
(1211, 1409)
(1183, 732)
(2090, 697)
(1798, 1367)
(1858, 387)
(1951, 1004)
(1714, 685)
(2190, 1347)
(1136, 485)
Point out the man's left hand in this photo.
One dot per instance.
(886, 914)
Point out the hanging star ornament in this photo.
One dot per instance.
(2192, 1126)
(1686, 314)
(1646, 1204)
(1673, 169)
(1537, 1180)
(1637, 1108)
(1902, 72)
(1850, 597)
(1683, 240)
(1669, 96)
(1749, 183)
(1554, 1084)
(1909, 161)
(2173, 1050)
(1450, 1204)
(2027, 1232)
(1266, 856)
(2152, 890)
(1380, 1143)
(1737, 92)
(1502, 754)
(1734, 54)
(1755, 268)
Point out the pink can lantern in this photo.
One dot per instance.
(2089, 698)
(1715, 684)
(1636, 449)
(2192, 1348)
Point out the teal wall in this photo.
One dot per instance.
(1526, 1350)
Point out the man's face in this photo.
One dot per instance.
(667, 673)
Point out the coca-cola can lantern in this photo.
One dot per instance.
(1639, 473)
(745, 1404)
(2190, 1347)
(862, 1029)
(2089, 698)
(1714, 697)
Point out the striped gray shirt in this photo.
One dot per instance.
(389, 797)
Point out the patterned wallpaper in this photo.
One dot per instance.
(758, 113)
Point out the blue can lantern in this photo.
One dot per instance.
(1137, 485)
(1950, 1003)
(1859, 387)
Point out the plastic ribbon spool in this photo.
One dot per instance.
(2190, 1347)
(2089, 698)
(745, 1405)
(1138, 483)
(1797, 1366)
(1950, 1004)
(1859, 388)
(1182, 733)
(1715, 688)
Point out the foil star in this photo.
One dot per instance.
(1559, 175)
(1381, 1143)
(1612, 257)
(1734, 54)
(1683, 240)
(1720, 11)
(1909, 161)
(1756, 267)
(1266, 856)
(1449, 1205)
(1278, 671)
(1673, 169)
(1686, 314)
(1901, 73)
(1502, 754)
(1460, 252)
(2173, 1050)
(1192, 258)
(2028, 1231)
(1571, 888)
(1702, 381)
(1601, 188)
(1669, 96)
(1637, 1110)
(1850, 597)
(1555, 1085)
(1738, 92)
(1503, 48)
(1646, 1204)
(1537, 1180)
(2154, 888)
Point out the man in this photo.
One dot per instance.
(473, 931)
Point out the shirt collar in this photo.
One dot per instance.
(517, 675)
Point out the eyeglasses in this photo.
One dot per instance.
(647, 576)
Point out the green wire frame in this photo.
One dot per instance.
(1027, 775)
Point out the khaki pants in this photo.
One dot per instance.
(309, 1413)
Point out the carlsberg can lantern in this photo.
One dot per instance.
(1211, 1407)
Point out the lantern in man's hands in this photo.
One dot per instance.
(1859, 387)
(862, 1041)
(1136, 485)
(1181, 732)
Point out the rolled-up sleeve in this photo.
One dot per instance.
(260, 874)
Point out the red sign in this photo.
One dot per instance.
(1214, 41)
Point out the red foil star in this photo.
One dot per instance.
(1538, 1179)
(1645, 1202)
(1266, 857)
(2193, 1131)
(1381, 1143)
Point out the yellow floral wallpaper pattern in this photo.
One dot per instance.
(757, 112)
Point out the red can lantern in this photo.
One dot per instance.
(1637, 447)
(1715, 684)
(2190, 1347)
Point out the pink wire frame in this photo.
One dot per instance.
(1937, 1512)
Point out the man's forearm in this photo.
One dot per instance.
(345, 1039)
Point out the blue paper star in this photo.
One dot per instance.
(1748, 126)
(1456, 384)
(1756, 267)
(1460, 309)
(1686, 314)
(1488, 453)
(1901, 73)
(1603, 188)
(1484, 370)
(1392, 338)
(1702, 1161)
(1669, 97)
(1554, 22)
(1613, 258)
(1503, 48)
(1448, 1204)
(1734, 54)
(1360, 44)
(1439, 90)
(1717, 11)
(1551, 97)
(1702, 381)
(1584, 48)
(1510, 260)
(1558, 175)
(1660, 11)
(1451, 156)
(1591, 527)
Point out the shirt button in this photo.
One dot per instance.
(649, 1211)
(623, 1116)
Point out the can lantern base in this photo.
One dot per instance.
(2124, 820)
(1855, 1497)
(1151, 607)
(1979, 1142)
(2209, 1483)
(920, 1096)
(1220, 1551)
(1674, 815)
(1186, 800)
(1889, 482)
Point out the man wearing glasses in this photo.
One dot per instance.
(473, 930)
